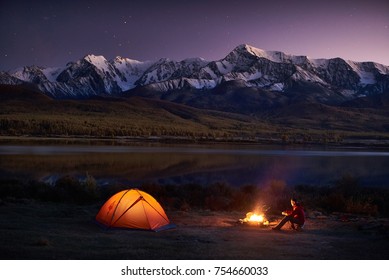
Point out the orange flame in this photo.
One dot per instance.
(254, 218)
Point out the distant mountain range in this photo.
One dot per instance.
(329, 80)
(250, 93)
(249, 86)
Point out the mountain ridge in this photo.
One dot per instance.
(273, 71)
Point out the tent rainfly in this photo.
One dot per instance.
(133, 209)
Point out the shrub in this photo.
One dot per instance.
(358, 206)
(346, 195)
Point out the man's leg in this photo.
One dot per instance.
(282, 223)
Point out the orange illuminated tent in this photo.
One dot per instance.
(133, 209)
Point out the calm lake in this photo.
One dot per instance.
(236, 165)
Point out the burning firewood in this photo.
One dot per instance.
(256, 218)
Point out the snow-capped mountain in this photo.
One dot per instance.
(246, 65)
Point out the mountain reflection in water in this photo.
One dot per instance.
(236, 165)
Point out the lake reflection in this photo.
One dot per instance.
(236, 165)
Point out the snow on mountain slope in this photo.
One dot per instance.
(52, 73)
(99, 61)
(275, 56)
(252, 67)
(31, 74)
(166, 69)
(131, 71)
(365, 71)
(7, 79)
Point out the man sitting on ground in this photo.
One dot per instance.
(294, 216)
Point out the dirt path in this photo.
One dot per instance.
(33, 230)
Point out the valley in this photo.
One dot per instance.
(30, 113)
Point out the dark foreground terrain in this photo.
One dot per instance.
(45, 230)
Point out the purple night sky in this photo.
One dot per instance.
(52, 33)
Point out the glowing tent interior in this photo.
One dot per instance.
(133, 209)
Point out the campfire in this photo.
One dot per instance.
(254, 219)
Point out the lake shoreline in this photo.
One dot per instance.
(135, 161)
(348, 143)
